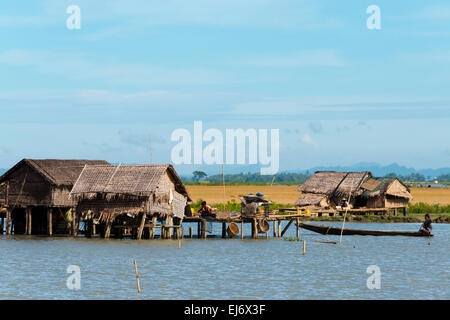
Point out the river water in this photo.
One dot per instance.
(411, 268)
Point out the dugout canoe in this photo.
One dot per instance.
(347, 232)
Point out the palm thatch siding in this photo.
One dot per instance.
(119, 196)
(35, 191)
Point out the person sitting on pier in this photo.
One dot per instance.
(426, 226)
(205, 210)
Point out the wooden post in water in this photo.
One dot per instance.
(298, 228)
(50, 221)
(304, 247)
(168, 226)
(242, 229)
(2, 225)
(137, 277)
(141, 226)
(8, 221)
(28, 212)
(224, 229)
(190, 232)
(152, 229)
(199, 229)
(255, 228)
(74, 222)
(27, 217)
(204, 228)
(108, 229)
(274, 228)
(279, 228)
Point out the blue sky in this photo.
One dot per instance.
(338, 92)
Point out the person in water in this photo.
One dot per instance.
(426, 226)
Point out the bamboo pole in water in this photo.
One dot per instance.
(304, 247)
(346, 209)
(137, 277)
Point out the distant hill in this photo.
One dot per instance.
(251, 173)
(380, 171)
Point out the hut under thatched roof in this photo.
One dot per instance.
(329, 189)
(35, 194)
(334, 190)
(115, 197)
(385, 193)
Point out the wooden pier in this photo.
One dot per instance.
(278, 230)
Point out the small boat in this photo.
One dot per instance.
(337, 231)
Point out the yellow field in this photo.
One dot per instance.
(288, 194)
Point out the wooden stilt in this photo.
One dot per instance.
(224, 229)
(8, 221)
(169, 223)
(255, 229)
(279, 228)
(94, 227)
(274, 228)
(50, 221)
(28, 211)
(74, 222)
(204, 229)
(27, 218)
(199, 230)
(242, 229)
(298, 228)
(141, 226)
(152, 228)
(267, 235)
(2, 225)
(304, 247)
(108, 229)
(190, 232)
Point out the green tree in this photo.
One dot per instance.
(198, 175)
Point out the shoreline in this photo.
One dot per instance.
(379, 219)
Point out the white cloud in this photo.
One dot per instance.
(306, 139)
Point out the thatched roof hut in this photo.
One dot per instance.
(33, 187)
(385, 193)
(330, 188)
(107, 192)
(43, 182)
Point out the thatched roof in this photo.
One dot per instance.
(130, 180)
(382, 186)
(307, 199)
(332, 182)
(56, 172)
